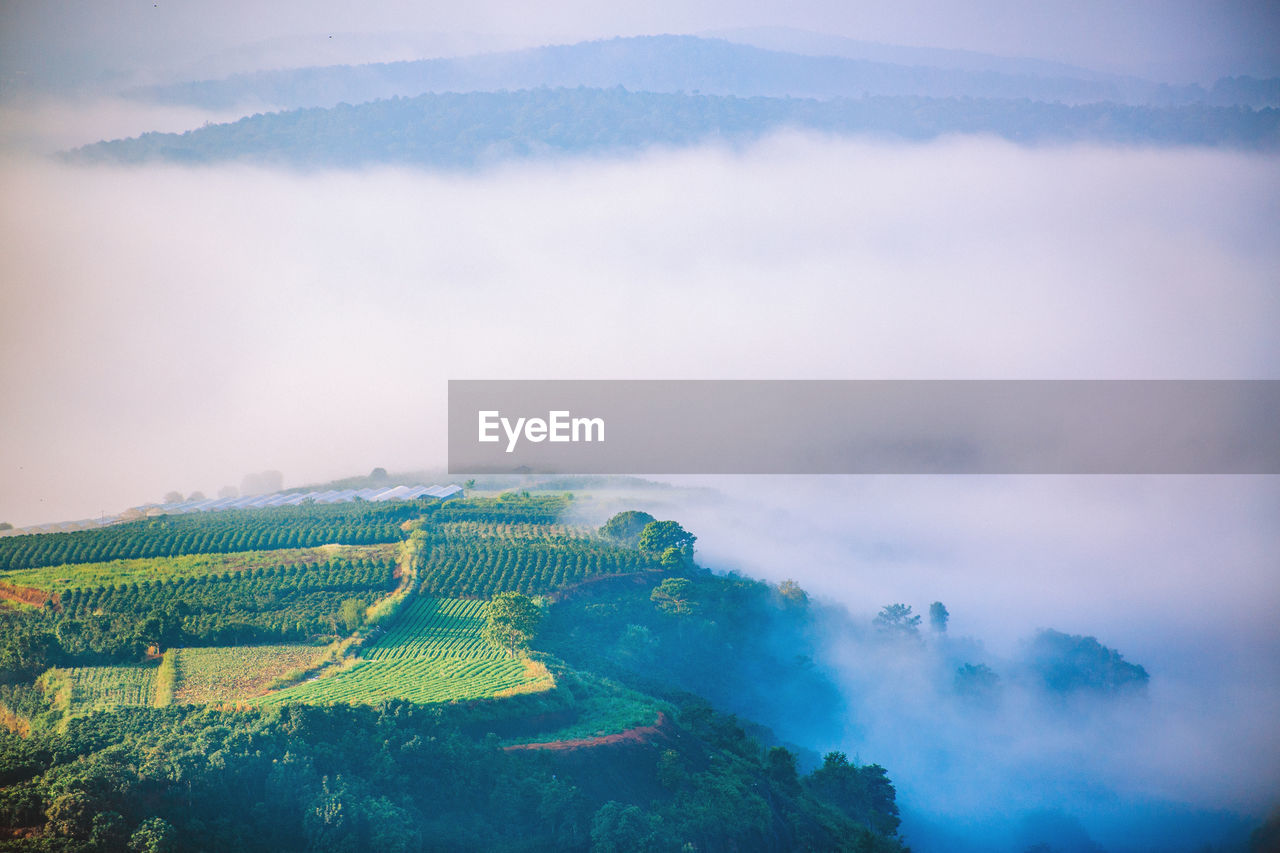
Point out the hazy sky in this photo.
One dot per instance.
(1179, 40)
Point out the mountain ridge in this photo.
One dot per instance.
(662, 63)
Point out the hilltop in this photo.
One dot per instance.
(686, 63)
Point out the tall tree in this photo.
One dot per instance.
(938, 617)
(626, 527)
(674, 596)
(896, 620)
(511, 620)
(667, 538)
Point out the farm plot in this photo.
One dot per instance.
(421, 679)
(433, 653)
(487, 566)
(238, 673)
(434, 627)
(83, 689)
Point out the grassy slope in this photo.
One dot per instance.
(234, 674)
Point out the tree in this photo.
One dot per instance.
(895, 620)
(154, 835)
(780, 766)
(173, 497)
(351, 613)
(673, 596)
(938, 617)
(511, 621)
(378, 475)
(4, 525)
(792, 594)
(658, 537)
(864, 794)
(109, 831)
(71, 815)
(616, 828)
(978, 682)
(626, 527)
(1068, 662)
(228, 492)
(197, 495)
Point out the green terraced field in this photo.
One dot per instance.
(433, 653)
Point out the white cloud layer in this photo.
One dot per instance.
(169, 328)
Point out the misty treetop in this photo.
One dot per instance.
(466, 130)
(1069, 662)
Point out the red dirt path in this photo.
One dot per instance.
(29, 595)
(640, 734)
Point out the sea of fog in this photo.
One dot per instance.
(1179, 574)
(172, 329)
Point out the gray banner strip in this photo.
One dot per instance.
(864, 427)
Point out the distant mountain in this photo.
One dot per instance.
(809, 43)
(665, 64)
(465, 130)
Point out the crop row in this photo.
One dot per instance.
(504, 509)
(61, 578)
(335, 575)
(436, 627)
(216, 532)
(118, 621)
(522, 532)
(417, 679)
(478, 568)
(95, 687)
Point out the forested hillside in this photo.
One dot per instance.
(483, 677)
(477, 128)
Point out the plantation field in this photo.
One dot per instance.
(262, 606)
(88, 575)
(417, 679)
(83, 689)
(433, 653)
(232, 674)
(505, 509)
(517, 532)
(477, 566)
(220, 532)
(433, 627)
